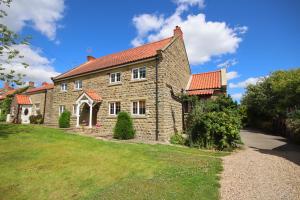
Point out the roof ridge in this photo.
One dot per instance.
(112, 54)
(207, 72)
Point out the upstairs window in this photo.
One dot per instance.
(139, 73)
(114, 108)
(139, 107)
(78, 85)
(115, 77)
(63, 87)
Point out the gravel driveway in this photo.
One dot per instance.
(268, 168)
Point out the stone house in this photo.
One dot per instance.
(33, 101)
(144, 81)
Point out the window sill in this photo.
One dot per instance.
(77, 90)
(139, 116)
(137, 80)
(63, 91)
(112, 116)
(115, 84)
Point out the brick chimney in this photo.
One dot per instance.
(45, 83)
(89, 58)
(178, 31)
(31, 84)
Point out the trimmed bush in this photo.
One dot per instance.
(177, 138)
(124, 127)
(36, 119)
(64, 119)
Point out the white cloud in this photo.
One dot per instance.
(236, 96)
(245, 83)
(199, 3)
(232, 75)
(42, 15)
(40, 68)
(203, 39)
(228, 63)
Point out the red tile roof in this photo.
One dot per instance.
(200, 92)
(208, 80)
(10, 92)
(93, 95)
(45, 86)
(22, 99)
(127, 56)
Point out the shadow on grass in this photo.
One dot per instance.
(9, 129)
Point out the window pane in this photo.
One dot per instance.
(134, 108)
(143, 72)
(112, 78)
(118, 77)
(112, 108)
(80, 84)
(135, 73)
(118, 107)
(142, 108)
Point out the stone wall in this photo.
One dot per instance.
(37, 98)
(125, 93)
(176, 76)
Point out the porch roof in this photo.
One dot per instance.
(23, 99)
(93, 95)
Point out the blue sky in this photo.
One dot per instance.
(254, 37)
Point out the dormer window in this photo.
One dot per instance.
(139, 73)
(78, 85)
(63, 87)
(115, 77)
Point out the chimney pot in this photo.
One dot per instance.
(178, 31)
(89, 58)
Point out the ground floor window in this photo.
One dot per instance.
(61, 109)
(114, 108)
(139, 107)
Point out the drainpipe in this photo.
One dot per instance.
(45, 101)
(156, 99)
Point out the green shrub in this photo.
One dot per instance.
(124, 127)
(64, 119)
(293, 125)
(36, 119)
(214, 124)
(177, 138)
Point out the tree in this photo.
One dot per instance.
(8, 52)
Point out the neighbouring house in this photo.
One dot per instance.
(33, 101)
(144, 81)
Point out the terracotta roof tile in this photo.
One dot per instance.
(23, 99)
(200, 92)
(93, 95)
(208, 80)
(127, 56)
(45, 86)
(10, 92)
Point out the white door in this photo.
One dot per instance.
(26, 113)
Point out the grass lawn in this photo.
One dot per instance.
(45, 163)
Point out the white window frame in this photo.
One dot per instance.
(139, 73)
(138, 108)
(36, 109)
(114, 108)
(115, 74)
(74, 109)
(63, 87)
(61, 109)
(78, 83)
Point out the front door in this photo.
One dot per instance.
(25, 114)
